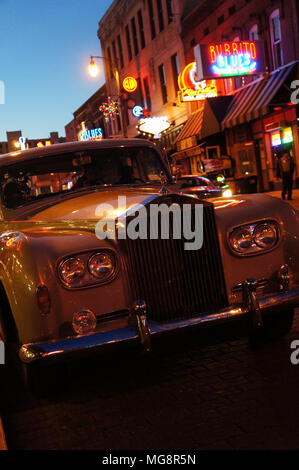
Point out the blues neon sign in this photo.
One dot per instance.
(92, 134)
(229, 59)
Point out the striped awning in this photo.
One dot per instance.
(193, 125)
(242, 98)
(272, 85)
(252, 101)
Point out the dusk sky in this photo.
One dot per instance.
(44, 54)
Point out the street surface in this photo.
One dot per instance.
(196, 396)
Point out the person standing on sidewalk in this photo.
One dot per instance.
(286, 166)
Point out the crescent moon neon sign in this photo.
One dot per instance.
(193, 89)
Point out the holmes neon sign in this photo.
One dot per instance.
(191, 88)
(230, 59)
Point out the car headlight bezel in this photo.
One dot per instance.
(87, 279)
(106, 255)
(255, 247)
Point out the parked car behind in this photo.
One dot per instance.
(200, 186)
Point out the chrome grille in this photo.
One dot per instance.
(176, 283)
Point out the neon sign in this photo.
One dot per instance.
(193, 89)
(229, 59)
(276, 139)
(92, 134)
(287, 135)
(154, 125)
(138, 111)
(130, 84)
(22, 141)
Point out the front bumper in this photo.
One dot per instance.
(136, 334)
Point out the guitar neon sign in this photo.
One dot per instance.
(191, 88)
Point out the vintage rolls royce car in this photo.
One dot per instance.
(64, 289)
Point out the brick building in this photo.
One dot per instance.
(261, 120)
(142, 38)
(252, 119)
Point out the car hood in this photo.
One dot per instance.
(87, 206)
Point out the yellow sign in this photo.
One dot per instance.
(130, 84)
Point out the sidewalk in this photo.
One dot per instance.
(294, 202)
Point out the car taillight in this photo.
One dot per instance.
(43, 299)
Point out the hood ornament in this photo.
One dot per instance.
(164, 181)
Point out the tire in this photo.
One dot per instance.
(275, 326)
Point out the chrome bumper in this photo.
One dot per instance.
(130, 334)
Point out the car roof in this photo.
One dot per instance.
(193, 176)
(38, 152)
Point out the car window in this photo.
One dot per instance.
(37, 178)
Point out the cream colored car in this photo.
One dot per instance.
(65, 290)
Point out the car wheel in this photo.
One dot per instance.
(275, 326)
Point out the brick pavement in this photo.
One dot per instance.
(201, 396)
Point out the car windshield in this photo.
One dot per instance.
(42, 177)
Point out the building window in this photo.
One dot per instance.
(232, 10)
(160, 14)
(175, 71)
(152, 18)
(129, 43)
(220, 19)
(110, 62)
(134, 35)
(254, 33)
(148, 100)
(114, 52)
(120, 51)
(275, 32)
(206, 31)
(169, 10)
(163, 83)
(141, 29)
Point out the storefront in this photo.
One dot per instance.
(201, 146)
(261, 123)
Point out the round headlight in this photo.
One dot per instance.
(102, 265)
(72, 271)
(241, 239)
(84, 321)
(265, 235)
(227, 193)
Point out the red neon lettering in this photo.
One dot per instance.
(219, 49)
(246, 44)
(212, 54)
(227, 48)
(235, 48)
(253, 50)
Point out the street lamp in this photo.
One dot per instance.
(94, 71)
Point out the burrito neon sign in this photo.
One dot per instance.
(193, 89)
(230, 59)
